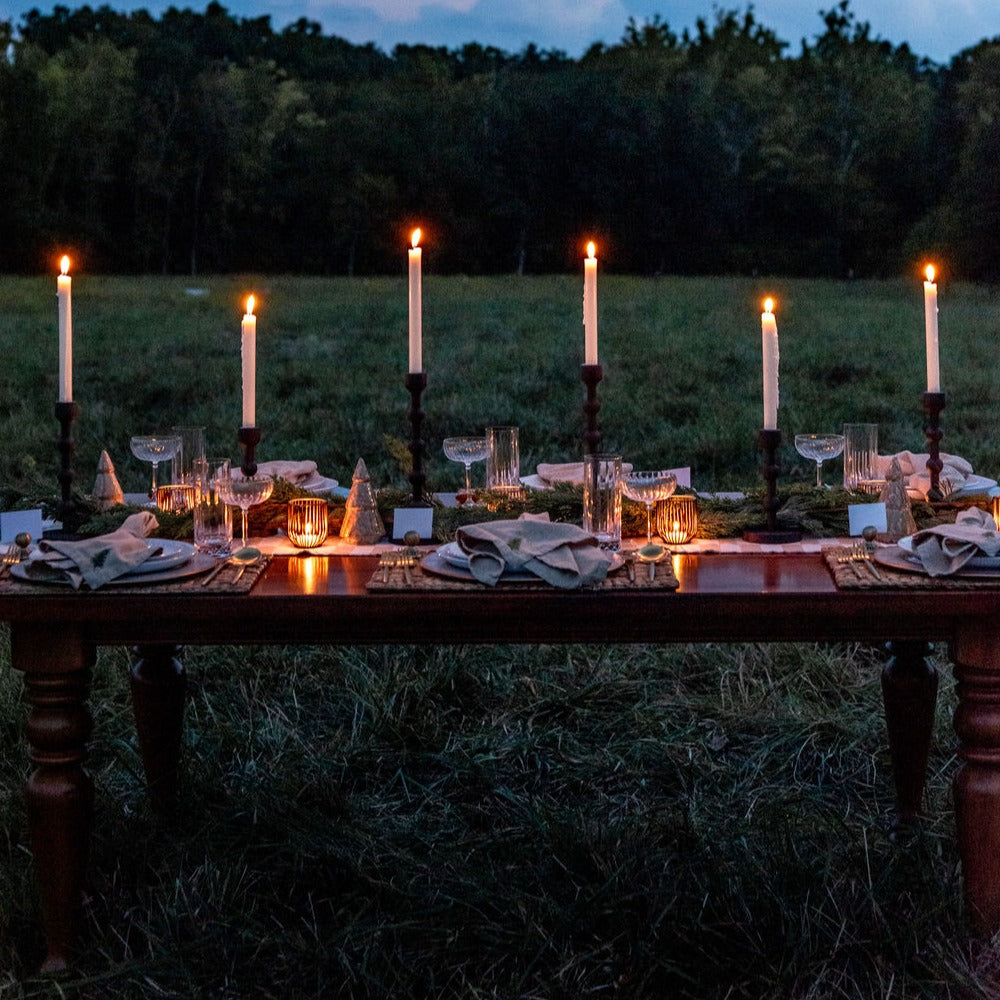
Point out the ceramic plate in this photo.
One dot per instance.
(449, 560)
(197, 563)
(170, 554)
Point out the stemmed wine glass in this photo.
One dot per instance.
(154, 448)
(466, 450)
(818, 447)
(648, 487)
(244, 493)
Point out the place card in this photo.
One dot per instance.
(419, 519)
(683, 476)
(13, 522)
(860, 515)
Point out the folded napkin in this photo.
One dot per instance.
(94, 561)
(561, 554)
(567, 472)
(954, 474)
(945, 549)
(302, 474)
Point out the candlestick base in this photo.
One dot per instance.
(591, 375)
(767, 442)
(249, 438)
(416, 382)
(934, 403)
(69, 512)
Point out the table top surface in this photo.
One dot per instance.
(324, 600)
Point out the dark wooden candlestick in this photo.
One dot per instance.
(69, 512)
(416, 382)
(933, 405)
(249, 438)
(591, 375)
(768, 441)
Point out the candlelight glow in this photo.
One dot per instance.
(591, 249)
(415, 241)
(64, 265)
(930, 272)
(769, 305)
(250, 305)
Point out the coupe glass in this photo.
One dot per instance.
(154, 448)
(649, 487)
(245, 493)
(466, 450)
(818, 447)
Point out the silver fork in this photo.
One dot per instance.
(861, 554)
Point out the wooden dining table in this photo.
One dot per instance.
(762, 597)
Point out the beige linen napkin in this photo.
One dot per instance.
(567, 472)
(302, 474)
(561, 554)
(94, 561)
(945, 549)
(955, 471)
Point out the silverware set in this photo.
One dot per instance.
(402, 558)
(859, 558)
(16, 552)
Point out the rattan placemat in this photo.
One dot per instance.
(222, 584)
(397, 580)
(851, 575)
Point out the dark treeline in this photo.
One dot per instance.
(200, 142)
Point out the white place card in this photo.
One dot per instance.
(860, 515)
(683, 476)
(13, 522)
(419, 519)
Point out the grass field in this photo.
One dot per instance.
(540, 822)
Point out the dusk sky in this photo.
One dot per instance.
(935, 28)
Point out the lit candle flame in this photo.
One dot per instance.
(930, 272)
(591, 249)
(64, 265)
(769, 305)
(415, 241)
(250, 305)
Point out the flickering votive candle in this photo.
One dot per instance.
(308, 521)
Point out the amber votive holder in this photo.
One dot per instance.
(677, 518)
(175, 498)
(995, 510)
(308, 521)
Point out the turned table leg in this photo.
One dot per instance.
(59, 793)
(909, 692)
(977, 784)
(159, 685)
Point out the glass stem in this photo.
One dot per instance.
(819, 474)
(152, 489)
(649, 524)
(243, 511)
(468, 477)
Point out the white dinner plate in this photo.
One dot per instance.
(171, 553)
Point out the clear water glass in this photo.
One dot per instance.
(818, 448)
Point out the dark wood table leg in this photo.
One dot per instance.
(909, 692)
(977, 783)
(57, 667)
(159, 686)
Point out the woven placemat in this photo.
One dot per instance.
(222, 584)
(849, 575)
(418, 580)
